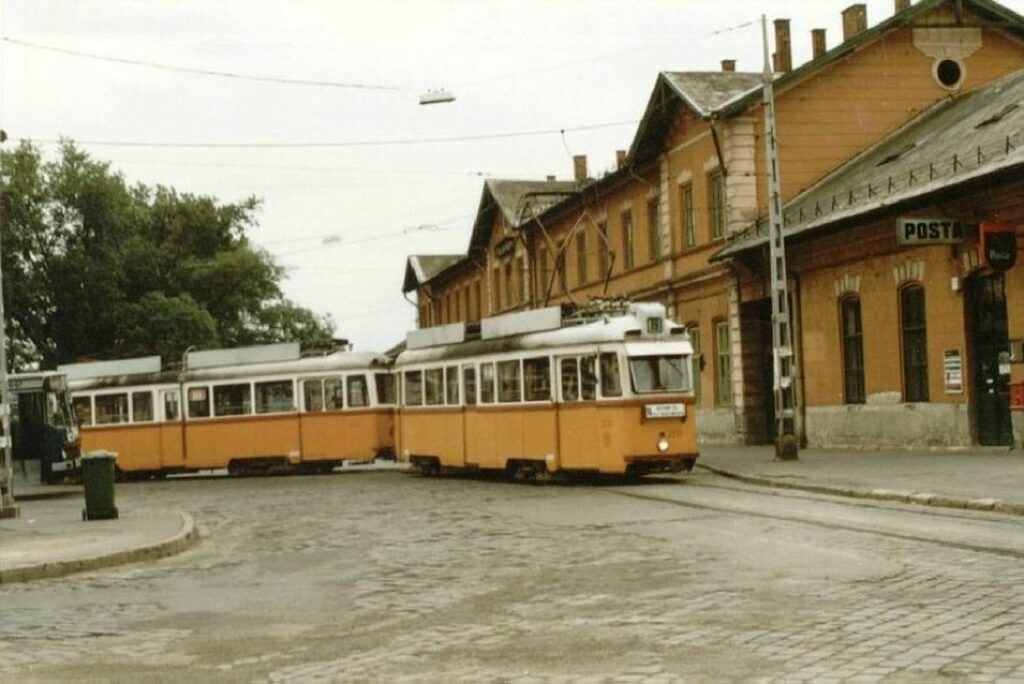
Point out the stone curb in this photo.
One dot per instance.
(185, 538)
(919, 498)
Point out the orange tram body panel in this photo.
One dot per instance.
(604, 389)
(255, 409)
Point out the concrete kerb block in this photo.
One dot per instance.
(922, 498)
(186, 537)
(891, 495)
(982, 504)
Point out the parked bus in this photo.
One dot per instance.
(261, 409)
(603, 389)
(43, 427)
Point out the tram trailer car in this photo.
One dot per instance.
(250, 410)
(606, 389)
(43, 425)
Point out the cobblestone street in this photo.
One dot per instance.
(386, 576)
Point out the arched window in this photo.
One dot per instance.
(853, 351)
(915, 343)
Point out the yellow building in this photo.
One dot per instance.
(694, 178)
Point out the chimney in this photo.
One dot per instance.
(855, 20)
(551, 179)
(783, 52)
(579, 163)
(902, 5)
(620, 158)
(728, 65)
(818, 47)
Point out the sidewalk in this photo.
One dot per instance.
(981, 479)
(51, 541)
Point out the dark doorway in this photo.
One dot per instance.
(990, 346)
(758, 372)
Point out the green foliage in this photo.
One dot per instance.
(94, 268)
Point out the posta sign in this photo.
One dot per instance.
(929, 231)
(998, 245)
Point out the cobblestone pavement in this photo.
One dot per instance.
(392, 577)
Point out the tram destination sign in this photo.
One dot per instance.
(664, 410)
(929, 231)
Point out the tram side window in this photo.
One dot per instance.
(385, 388)
(433, 386)
(486, 383)
(508, 381)
(313, 395)
(83, 410)
(232, 400)
(570, 380)
(469, 384)
(611, 382)
(413, 393)
(537, 378)
(355, 386)
(172, 403)
(275, 397)
(142, 407)
(451, 385)
(199, 402)
(334, 394)
(111, 409)
(588, 378)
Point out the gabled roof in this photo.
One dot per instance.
(701, 91)
(978, 135)
(421, 268)
(518, 201)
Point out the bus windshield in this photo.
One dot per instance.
(58, 409)
(661, 373)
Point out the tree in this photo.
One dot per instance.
(95, 268)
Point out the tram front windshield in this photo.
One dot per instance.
(660, 373)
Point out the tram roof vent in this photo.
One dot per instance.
(264, 353)
(452, 333)
(99, 369)
(521, 322)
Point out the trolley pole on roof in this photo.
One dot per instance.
(8, 509)
(782, 336)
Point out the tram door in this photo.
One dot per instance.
(172, 454)
(989, 335)
(578, 436)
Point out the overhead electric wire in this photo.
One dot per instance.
(342, 143)
(194, 70)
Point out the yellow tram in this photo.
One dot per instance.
(254, 409)
(602, 389)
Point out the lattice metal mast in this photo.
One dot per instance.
(782, 331)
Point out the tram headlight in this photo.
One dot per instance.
(662, 443)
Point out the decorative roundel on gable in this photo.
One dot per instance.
(949, 72)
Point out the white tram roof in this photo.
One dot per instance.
(100, 369)
(549, 328)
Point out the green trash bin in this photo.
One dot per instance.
(98, 480)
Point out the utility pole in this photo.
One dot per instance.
(786, 446)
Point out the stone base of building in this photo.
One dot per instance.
(718, 426)
(868, 426)
(1018, 429)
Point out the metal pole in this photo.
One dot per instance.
(782, 336)
(8, 509)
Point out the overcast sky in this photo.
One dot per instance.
(342, 218)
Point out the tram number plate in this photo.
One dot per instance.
(664, 410)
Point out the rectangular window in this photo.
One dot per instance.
(385, 388)
(915, 344)
(603, 261)
(508, 382)
(694, 332)
(334, 394)
(275, 397)
(611, 379)
(451, 385)
(172, 405)
(413, 389)
(581, 258)
(495, 290)
(232, 400)
(689, 225)
(357, 391)
(521, 293)
(661, 373)
(433, 383)
(486, 383)
(313, 395)
(142, 407)
(588, 378)
(83, 409)
(653, 231)
(198, 402)
(469, 384)
(723, 365)
(111, 409)
(716, 204)
(853, 352)
(570, 373)
(537, 378)
(628, 241)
